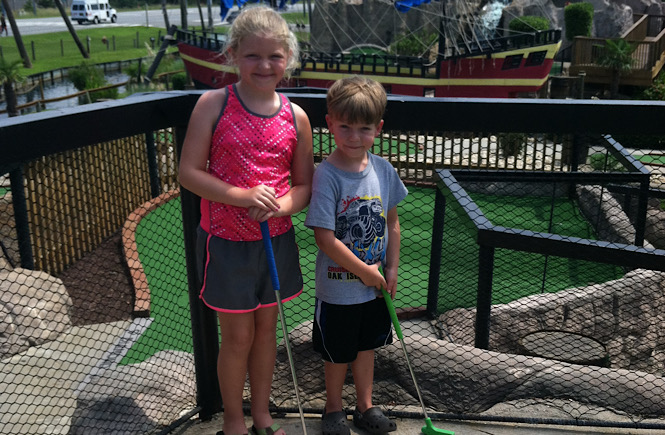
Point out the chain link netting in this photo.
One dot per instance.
(535, 272)
(96, 329)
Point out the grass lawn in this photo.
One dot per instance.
(52, 51)
(161, 249)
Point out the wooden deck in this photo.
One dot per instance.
(648, 34)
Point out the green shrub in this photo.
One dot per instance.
(511, 144)
(86, 77)
(578, 18)
(656, 92)
(179, 81)
(413, 45)
(46, 4)
(605, 163)
(132, 70)
(126, 4)
(528, 24)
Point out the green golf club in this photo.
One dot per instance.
(429, 428)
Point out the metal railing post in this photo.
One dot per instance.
(435, 253)
(21, 218)
(484, 303)
(204, 321)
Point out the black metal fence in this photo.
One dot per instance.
(530, 281)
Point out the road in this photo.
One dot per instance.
(153, 18)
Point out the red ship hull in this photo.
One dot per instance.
(499, 74)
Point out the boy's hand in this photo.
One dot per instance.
(390, 275)
(372, 277)
(259, 215)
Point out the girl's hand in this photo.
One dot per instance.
(372, 277)
(262, 197)
(259, 214)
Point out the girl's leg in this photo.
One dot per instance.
(363, 376)
(261, 365)
(237, 336)
(335, 376)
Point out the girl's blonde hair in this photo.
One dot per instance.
(263, 21)
(357, 99)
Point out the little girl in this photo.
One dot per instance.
(243, 145)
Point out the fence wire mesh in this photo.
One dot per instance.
(96, 331)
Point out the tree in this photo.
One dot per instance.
(618, 57)
(70, 27)
(578, 18)
(10, 74)
(183, 14)
(17, 35)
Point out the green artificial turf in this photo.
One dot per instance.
(652, 158)
(517, 274)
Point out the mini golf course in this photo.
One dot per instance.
(161, 249)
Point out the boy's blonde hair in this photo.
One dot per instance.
(265, 22)
(357, 99)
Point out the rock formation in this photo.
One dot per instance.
(34, 308)
(611, 18)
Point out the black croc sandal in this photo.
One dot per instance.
(373, 421)
(334, 423)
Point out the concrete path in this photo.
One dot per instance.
(293, 426)
(40, 385)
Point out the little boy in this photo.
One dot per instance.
(353, 212)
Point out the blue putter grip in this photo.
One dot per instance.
(267, 244)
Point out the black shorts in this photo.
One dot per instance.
(235, 276)
(341, 331)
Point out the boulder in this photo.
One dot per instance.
(611, 18)
(34, 308)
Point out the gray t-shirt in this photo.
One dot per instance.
(355, 205)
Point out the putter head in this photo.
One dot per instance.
(429, 429)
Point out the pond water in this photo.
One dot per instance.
(60, 88)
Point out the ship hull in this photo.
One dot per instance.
(499, 74)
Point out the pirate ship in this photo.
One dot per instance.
(454, 53)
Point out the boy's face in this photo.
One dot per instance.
(353, 140)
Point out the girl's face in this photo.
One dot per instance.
(261, 61)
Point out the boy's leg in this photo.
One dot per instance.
(335, 375)
(237, 336)
(363, 377)
(261, 365)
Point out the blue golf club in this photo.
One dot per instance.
(267, 244)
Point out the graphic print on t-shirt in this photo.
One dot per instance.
(361, 226)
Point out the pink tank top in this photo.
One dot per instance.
(247, 150)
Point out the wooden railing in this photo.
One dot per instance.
(648, 36)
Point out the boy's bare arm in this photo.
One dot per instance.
(392, 251)
(340, 254)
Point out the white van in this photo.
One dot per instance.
(94, 11)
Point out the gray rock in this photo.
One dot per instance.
(611, 18)
(162, 386)
(34, 308)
